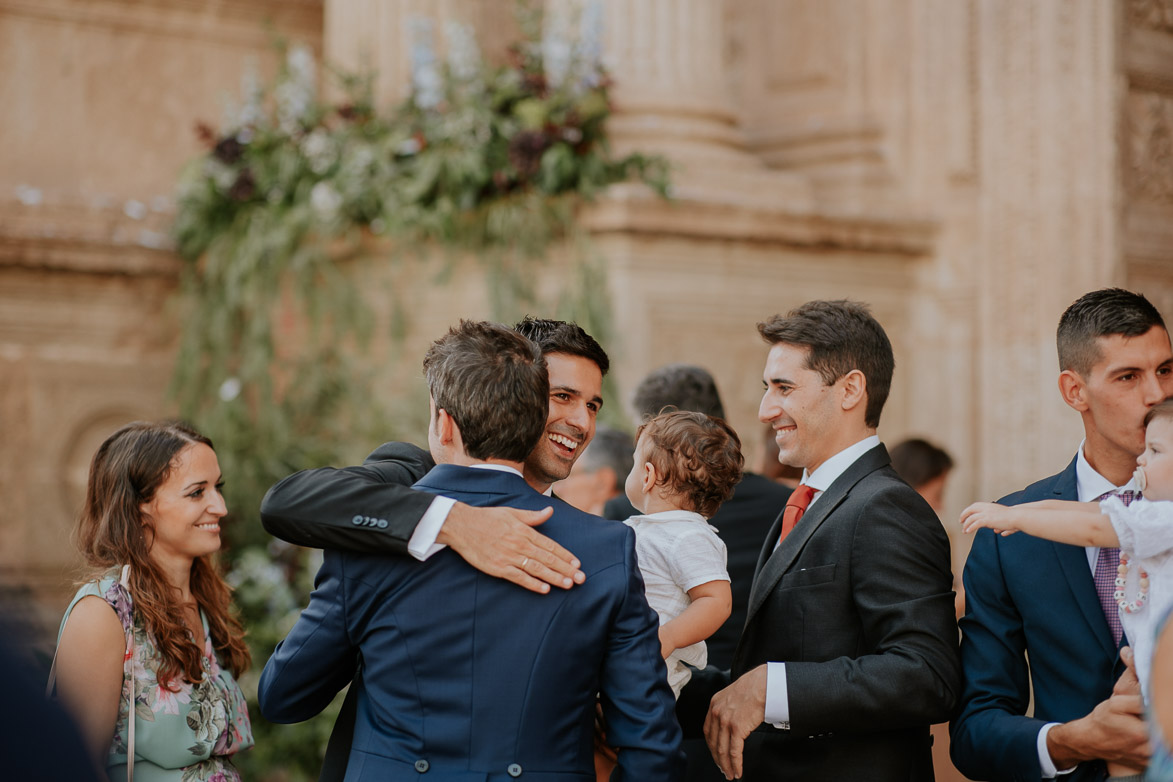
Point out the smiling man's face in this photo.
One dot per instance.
(576, 395)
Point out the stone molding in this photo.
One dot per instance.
(1150, 146)
(220, 20)
(86, 238)
(631, 209)
(1151, 14)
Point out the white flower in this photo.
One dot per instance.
(29, 196)
(295, 93)
(426, 83)
(251, 112)
(556, 46)
(135, 210)
(409, 146)
(319, 151)
(325, 201)
(230, 389)
(464, 57)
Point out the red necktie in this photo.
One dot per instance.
(795, 507)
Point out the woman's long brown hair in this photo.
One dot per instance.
(125, 473)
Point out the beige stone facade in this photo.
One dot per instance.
(968, 167)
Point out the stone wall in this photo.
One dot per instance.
(100, 98)
(968, 167)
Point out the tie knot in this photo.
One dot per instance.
(801, 497)
(1126, 495)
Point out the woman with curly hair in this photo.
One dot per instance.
(155, 626)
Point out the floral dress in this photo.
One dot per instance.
(183, 735)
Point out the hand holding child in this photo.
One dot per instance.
(990, 515)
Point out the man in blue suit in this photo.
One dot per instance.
(1032, 606)
(463, 675)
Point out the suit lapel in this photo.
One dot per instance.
(1073, 562)
(772, 565)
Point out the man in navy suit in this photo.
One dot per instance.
(1032, 605)
(467, 676)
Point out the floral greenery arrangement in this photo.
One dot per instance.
(485, 160)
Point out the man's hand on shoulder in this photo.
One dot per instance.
(502, 543)
(1115, 730)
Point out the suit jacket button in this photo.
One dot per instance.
(514, 770)
(421, 766)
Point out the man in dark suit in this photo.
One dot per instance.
(742, 521)
(361, 509)
(849, 651)
(1032, 605)
(463, 675)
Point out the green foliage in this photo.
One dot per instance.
(487, 161)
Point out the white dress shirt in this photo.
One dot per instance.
(777, 697)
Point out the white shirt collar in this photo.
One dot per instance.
(498, 467)
(1089, 484)
(821, 479)
(673, 515)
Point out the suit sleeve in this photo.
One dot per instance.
(317, 659)
(990, 738)
(637, 702)
(366, 509)
(902, 590)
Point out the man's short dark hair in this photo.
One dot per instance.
(698, 457)
(918, 461)
(493, 383)
(559, 336)
(682, 386)
(841, 336)
(1101, 313)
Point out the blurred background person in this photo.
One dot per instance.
(770, 467)
(742, 521)
(1161, 705)
(38, 740)
(157, 607)
(599, 473)
(924, 467)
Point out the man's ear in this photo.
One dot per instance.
(1073, 389)
(445, 427)
(855, 389)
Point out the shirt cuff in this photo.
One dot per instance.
(777, 697)
(1046, 765)
(423, 541)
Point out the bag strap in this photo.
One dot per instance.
(131, 712)
(127, 660)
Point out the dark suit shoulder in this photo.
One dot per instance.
(597, 542)
(415, 461)
(1059, 486)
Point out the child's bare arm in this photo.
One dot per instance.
(710, 607)
(1077, 523)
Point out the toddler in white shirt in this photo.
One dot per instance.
(686, 465)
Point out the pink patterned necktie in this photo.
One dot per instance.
(1107, 564)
